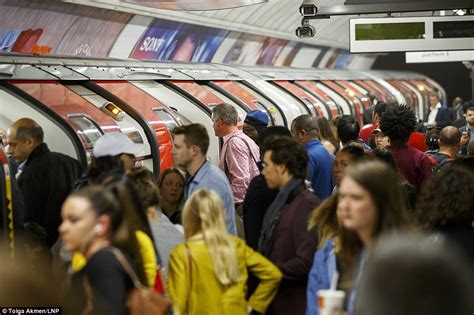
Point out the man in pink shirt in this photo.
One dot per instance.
(239, 153)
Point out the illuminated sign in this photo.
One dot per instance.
(412, 34)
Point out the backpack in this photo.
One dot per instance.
(441, 161)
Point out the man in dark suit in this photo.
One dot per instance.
(437, 117)
(285, 239)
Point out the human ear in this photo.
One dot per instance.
(103, 225)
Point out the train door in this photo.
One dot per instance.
(126, 118)
(410, 96)
(425, 91)
(343, 105)
(208, 96)
(420, 96)
(310, 86)
(315, 106)
(47, 103)
(252, 99)
(259, 79)
(355, 92)
(379, 94)
(187, 107)
(351, 99)
(160, 118)
(396, 94)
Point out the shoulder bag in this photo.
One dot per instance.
(141, 299)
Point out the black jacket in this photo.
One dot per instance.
(257, 200)
(46, 180)
(444, 117)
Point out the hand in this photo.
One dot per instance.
(249, 309)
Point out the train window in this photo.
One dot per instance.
(134, 135)
(89, 131)
(166, 118)
(182, 119)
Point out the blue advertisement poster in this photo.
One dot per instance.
(170, 40)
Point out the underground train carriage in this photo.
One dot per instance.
(147, 102)
(76, 105)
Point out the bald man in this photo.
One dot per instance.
(449, 144)
(304, 129)
(47, 177)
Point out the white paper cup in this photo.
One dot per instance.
(331, 302)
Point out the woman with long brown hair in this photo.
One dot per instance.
(370, 204)
(171, 187)
(331, 258)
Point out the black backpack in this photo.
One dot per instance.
(441, 161)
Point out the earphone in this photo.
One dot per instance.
(98, 228)
(90, 235)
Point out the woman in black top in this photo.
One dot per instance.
(96, 220)
(171, 186)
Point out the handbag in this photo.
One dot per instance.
(141, 299)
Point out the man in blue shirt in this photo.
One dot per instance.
(190, 148)
(304, 129)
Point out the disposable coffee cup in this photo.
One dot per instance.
(331, 302)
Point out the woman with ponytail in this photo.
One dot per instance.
(208, 274)
(99, 223)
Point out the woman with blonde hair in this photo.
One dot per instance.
(208, 274)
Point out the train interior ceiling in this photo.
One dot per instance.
(114, 66)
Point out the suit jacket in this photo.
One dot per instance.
(293, 248)
(444, 117)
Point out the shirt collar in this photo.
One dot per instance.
(437, 106)
(235, 133)
(198, 175)
(312, 142)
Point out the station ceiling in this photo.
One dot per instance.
(273, 18)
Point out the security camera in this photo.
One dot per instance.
(309, 8)
(305, 30)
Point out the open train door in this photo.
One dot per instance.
(7, 239)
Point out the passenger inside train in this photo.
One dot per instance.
(237, 157)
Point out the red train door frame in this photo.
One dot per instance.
(145, 105)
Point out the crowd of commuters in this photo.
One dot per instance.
(286, 213)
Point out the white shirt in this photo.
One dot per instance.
(433, 113)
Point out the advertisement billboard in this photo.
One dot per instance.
(171, 40)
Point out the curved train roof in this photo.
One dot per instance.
(46, 68)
